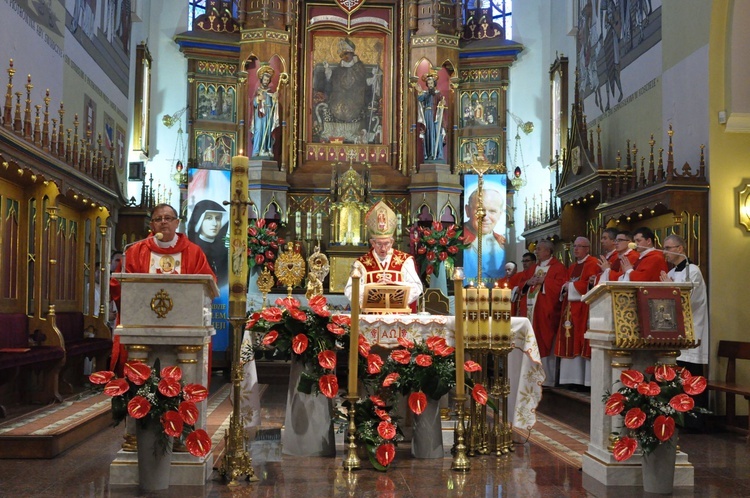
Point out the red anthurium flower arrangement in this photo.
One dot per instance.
(263, 244)
(420, 370)
(310, 334)
(157, 394)
(652, 405)
(425, 369)
(436, 244)
(377, 429)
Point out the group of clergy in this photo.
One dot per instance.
(549, 294)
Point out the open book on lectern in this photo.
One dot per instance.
(386, 298)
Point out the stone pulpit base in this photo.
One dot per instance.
(612, 314)
(167, 317)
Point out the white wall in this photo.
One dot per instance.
(162, 20)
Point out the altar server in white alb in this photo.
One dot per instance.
(384, 264)
(685, 271)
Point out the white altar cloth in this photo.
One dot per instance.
(524, 363)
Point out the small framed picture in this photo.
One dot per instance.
(660, 313)
(136, 171)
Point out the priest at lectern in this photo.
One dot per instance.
(384, 264)
(164, 251)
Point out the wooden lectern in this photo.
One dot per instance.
(632, 325)
(168, 317)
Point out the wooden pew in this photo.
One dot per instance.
(733, 351)
(20, 352)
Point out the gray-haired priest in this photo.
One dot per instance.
(384, 264)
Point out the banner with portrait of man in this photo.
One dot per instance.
(493, 227)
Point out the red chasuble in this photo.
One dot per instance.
(373, 269)
(575, 314)
(648, 268)
(147, 257)
(546, 309)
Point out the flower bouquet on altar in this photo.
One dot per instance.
(262, 244)
(652, 404)
(416, 370)
(377, 428)
(157, 395)
(437, 244)
(420, 370)
(311, 335)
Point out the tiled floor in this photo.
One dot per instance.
(721, 460)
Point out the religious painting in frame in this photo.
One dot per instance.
(120, 148)
(660, 313)
(469, 151)
(216, 102)
(349, 87)
(479, 108)
(214, 150)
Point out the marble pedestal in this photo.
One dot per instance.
(167, 317)
(600, 468)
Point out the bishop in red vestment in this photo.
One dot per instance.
(383, 264)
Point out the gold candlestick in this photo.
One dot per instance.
(460, 460)
(351, 462)
(458, 278)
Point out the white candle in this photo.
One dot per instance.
(398, 224)
(318, 225)
(309, 225)
(297, 224)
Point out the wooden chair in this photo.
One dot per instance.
(436, 303)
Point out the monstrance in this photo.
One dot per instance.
(290, 268)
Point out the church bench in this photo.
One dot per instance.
(732, 351)
(22, 352)
(82, 341)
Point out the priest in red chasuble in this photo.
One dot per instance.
(384, 264)
(164, 251)
(571, 346)
(612, 267)
(543, 303)
(650, 263)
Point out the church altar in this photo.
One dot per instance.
(524, 363)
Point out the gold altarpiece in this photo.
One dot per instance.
(341, 83)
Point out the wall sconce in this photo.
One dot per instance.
(743, 204)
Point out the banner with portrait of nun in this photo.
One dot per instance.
(493, 228)
(207, 224)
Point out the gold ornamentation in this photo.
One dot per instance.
(161, 304)
(318, 265)
(290, 268)
(265, 283)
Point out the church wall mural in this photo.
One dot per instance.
(83, 47)
(611, 36)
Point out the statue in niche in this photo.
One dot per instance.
(265, 113)
(431, 109)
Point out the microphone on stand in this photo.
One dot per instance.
(633, 246)
(157, 236)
